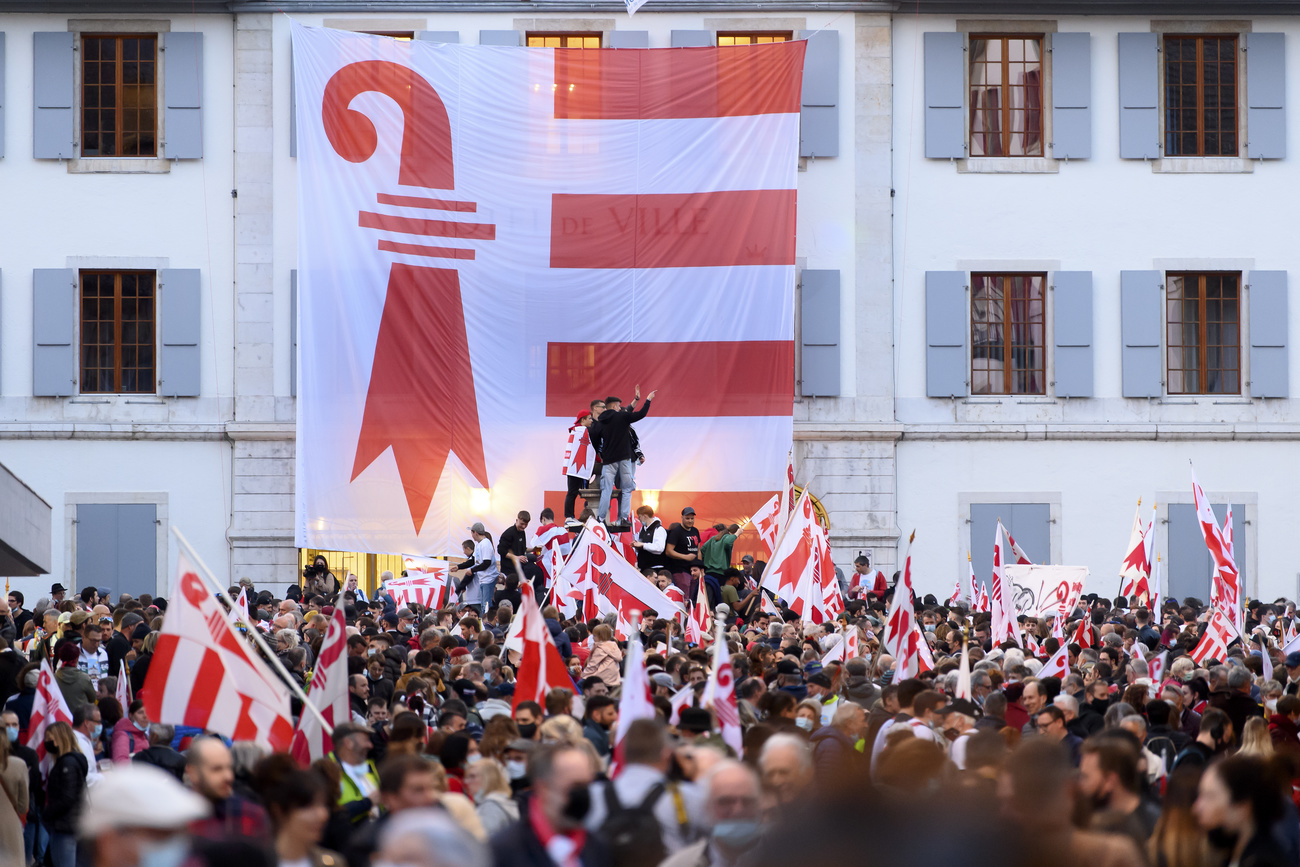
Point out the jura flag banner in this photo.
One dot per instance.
(328, 693)
(457, 204)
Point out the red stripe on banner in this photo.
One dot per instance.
(440, 228)
(712, 507)
(245, 728)
(431, 204)
(155, 681)
(744, 377)
(727, 81)
(421, 250)
(672, 230)
(207, 683)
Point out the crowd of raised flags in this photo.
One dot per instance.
(857, 688)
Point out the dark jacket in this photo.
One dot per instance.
(511, 541)
(598, 737)
(1238, 706)
(139, 672)
(834, 753)
(65, 791)
(861, 691)
(1091, 718)
(616, 433)
(518, 846)
(560, 637)
(162, 756)
(117, 647)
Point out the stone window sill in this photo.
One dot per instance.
(1202, 166)
(1008, 165)
(119, 166)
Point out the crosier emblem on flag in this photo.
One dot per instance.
(48, 707)
(328, 693)
(449, 194)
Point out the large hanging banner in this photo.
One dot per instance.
(489, 238)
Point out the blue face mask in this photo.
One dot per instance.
(169, 853)
(12, 732)
(738, 834)
(99, 730)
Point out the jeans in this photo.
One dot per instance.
(626, 485)
(35, 840)
(63, 850)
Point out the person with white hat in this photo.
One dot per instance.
(138, 816)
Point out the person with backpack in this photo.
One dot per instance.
(644, 816)
(131, 735)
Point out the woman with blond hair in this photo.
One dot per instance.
(606, 658)
(64, 792)
(460, 808)
(486, 783)
(1255, 739)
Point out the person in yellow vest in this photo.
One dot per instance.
(359, 781)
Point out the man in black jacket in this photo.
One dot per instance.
(513, 543)
(616, 452)
(561, 797)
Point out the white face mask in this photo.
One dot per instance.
(804, 723)
(1271, 705)
(516, 770)
(171, 852)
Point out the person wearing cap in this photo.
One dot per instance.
(359, 780)
(1292, 665)
(617, 453)
(480, 581)
(822, 691)
(789, 678)
(959, 717)
(139, 815)
(579, 460)
(683, 549)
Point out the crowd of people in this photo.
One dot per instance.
(442, 765)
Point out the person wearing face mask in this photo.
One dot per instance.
(1237, 804)
(515, 758)
(1110, 779)
(528, 715)
(835, 746)
(550, 832)
(131, 735)
(88, 725)
(65, 791)
(732, 808)
(137, 817)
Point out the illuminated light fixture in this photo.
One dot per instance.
(651, 499)
(480, 500)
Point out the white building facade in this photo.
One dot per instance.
(1005, 222)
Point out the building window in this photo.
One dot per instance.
(1201, 96)
(399, 35)
(563, 40)
(1007, 342)
(1006, 96)
(119, 96)
(753, 38)
(1204, 336)
(117, 332)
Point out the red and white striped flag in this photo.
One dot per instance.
(1136, 567)
(635, 701)
(204, 674)
(238, 614)
(1058, 665)
(442, 191)
(847, 649)
(900, 624)
(680, 699)
(1058, 631)
(47, 707)
(984, 605)
(608, 583)
(925, 657)
(541, 668)
(789, 574)
(720, 694)
(123, 687)
(1214, 644)
(1032, 646)
(1227, 579)
(1004, 612)
(328, 693)
(963, 689)
(701, 619)
(579, 457)
(1083, 635)
(767, 523)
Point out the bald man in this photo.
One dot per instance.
(210, 772)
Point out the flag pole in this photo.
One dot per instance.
(257, 639)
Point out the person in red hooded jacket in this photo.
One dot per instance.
(579, 459)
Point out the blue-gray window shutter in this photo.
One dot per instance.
(1268, 327)
(117, 547)
(54, 321)
(2, 94)
(52, 68)
(819, 318)
(499, 37)
(691, 38)
(293, 333)
(1189, 564)
(945, 84)
(1140, 325)
(629, 39)
(819, 114)
(946, 360)
(1139, 80)
(179, 306)
(1030, 524)
(1266, 95)
(449, 36)
(183, 92)
(1072, 96)
(1072, 330)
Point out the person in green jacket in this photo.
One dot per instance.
(716, 553)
